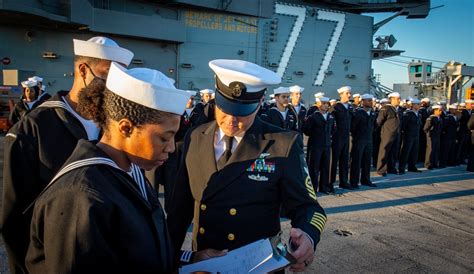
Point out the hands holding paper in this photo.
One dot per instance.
(208, 253)
(304, 253)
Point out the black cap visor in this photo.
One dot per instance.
(235, 108)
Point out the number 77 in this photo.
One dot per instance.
(300, 13)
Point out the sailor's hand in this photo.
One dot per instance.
(207, 254)
(304, 253)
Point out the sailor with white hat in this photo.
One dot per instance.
(357, 98)
(53, 130)
(300, 109)
(411, 128)
(206, 95)
(44, 96)
(106, 175)
(389, 121)
(319, 127)
(28, 101)
(332, 102)
(342, 112)
(363, 122)
(234, 154)
(282, 114)
(432, 129)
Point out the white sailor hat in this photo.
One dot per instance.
(29, 84)
(436, 107)
(367, 96)
(394, 94)
(344, 88)
(455, 106)
(427, 100)
(442, 102)
(319, 95)
(240, 85)
(384, 101)
(469, 101)
(173, 81)
(322, 99)
(356, 95)
(147, 87)
(36, 79)
(414, 101)
(102, 48)
(206, 91)
(272, 96)
(332, 100)
(281, 90)
(296, 88)
(192, 92)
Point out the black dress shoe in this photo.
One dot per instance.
(414, 170)
(393, 172)
(346, 186)
(370, 184)
(355, 186)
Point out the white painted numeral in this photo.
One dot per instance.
(340, 19)
(300, 13)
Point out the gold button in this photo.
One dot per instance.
(201, 230)
(233, 211)
(203, 207)
(231, 237)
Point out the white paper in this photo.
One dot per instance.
(256, 257)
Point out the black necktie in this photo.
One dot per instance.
(227, 153)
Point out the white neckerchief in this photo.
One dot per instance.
(91, 128)
(219, 144)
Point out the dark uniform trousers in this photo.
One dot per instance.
(274, 117)
(448, 141)
(319, 130)
(389, 121)
(35, 149)
(362, 129)
(241, 203)
(375, 142)
(410, 140)
(422, 144)
(463, 136)
(340, 144)
(470, 162)
(433, 135)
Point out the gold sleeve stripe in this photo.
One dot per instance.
(321, 222)
(317, 225)
(317, 214)
(309, 188)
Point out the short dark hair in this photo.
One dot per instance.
(98, 103)
(91, 61)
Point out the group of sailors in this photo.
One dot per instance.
(346, 137)
(75, 198)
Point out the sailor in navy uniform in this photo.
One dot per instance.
(43, 95)
(28, 102)
(449, 132)
(357, 101)
(99, 214)
(319, 126)
(424, 114)
(389, 122)
(464, 134)
(282, 114)
(42, 141)
(362, 127)
(410, 130)
(432, 129)
(299, 108)
(240, 173)
(342, 112)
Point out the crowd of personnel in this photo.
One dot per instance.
(75, 198)
(348, 136)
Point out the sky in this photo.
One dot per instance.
(446, 34)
